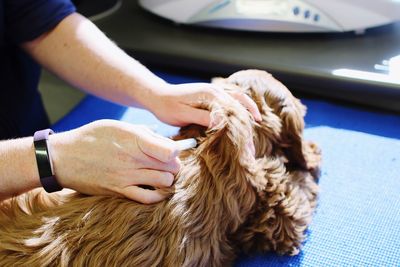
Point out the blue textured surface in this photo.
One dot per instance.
(357, 222)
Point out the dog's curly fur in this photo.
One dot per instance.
(225, 200)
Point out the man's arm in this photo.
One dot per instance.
(77, 51)
(18, 171)
(101, 158)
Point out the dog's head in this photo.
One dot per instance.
(282, 125)
(284, 197)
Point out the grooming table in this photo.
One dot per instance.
(357, 222)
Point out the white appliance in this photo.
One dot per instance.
(279, 15)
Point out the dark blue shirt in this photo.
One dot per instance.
(21, 107)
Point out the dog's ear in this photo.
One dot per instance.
(283, 211)
(282, 113)
(291, 113)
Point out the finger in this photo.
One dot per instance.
(197, 116)
(248, 103)
(145, 196)
(157, 147)
(147, 162)
(154, 178)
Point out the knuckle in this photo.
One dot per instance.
(212, 92)
(169, 153)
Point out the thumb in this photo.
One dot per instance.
(158, 147)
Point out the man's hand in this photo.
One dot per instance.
(113, 158)
(179, 104)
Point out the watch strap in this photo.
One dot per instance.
(46, 174)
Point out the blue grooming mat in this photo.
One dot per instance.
(357, 222)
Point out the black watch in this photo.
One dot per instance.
(44, 164)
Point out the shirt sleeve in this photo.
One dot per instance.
(26, 20)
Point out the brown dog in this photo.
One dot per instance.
(224, 200)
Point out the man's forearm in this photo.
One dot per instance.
(18, 170)
(77, 51)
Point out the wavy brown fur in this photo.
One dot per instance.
(224, 200)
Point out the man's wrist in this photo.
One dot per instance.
(58, 146)
(150, 99)
(44, 161)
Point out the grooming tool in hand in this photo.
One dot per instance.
(186, 144)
